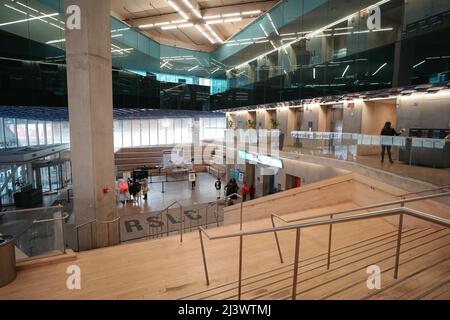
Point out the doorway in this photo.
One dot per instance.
(293, 182)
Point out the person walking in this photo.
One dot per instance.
(244, 191)
(145, 188)
(388, 131)
(252, 192)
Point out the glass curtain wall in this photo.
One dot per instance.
(152, 132)
(23, 133)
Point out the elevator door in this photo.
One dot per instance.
(335, 116)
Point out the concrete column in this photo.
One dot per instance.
(89, 83)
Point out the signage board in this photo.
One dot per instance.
(261, 159)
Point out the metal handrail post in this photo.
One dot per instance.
(217, 211)
(118, 231)
(181, 224)
(161, 225)
(330, 231)
(63, 231)
(277, 241)
(107, 232)
(241, 240)
(167, 223)
(399, 240)
(240, 218)
(206, 217)
(92, 235)
(78, 240)
(297, 253)
(204, 256)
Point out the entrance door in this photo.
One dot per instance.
(45, 179)
(54, 178)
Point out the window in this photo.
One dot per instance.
(126, 125)
(65, 132)
(56, 132)
(22, 135)
(10, 133)
(2, 134)
(154, 132)
(118, 134)
(186, 130)
(136, 132)
(32, 133)
(41, 133)
(145, 132)
(49, 132)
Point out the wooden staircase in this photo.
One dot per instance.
(424, 272)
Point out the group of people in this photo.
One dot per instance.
(232, 188)
(131, 190)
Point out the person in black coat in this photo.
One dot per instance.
(387, 131)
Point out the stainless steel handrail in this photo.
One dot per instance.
(167, 220)
(339, 212)
(33, 209)
(370, 215)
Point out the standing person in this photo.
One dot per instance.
(244, 191)
(145, 188)
(218, 186)
(252, 192)
(122, 190)
(234, 188)
(193, 178)
(388, 131)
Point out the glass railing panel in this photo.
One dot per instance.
(425, 159)
(36, 232)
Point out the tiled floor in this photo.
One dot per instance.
(180, 191)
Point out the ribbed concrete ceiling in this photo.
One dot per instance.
(193, 24)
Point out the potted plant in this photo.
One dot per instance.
(251, 124)
(230, 124)
(274, 123)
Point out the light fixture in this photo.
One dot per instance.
(273, 25)
(232, 19)
(29, 19)
(420, 63)
(212, 17)
(311, 34)
(234, 14)
(345, 71)
(183, 14)
(214, 34)
(173, 5)
(186, 25)
(145, 26)
(169, 27)
(193, 68)
(188, 4)
(381, 67)
(179, 21)
(162, 23)
(314, 73)
(214, 21)
(264, 30)
(56, 41)
(251, 12)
